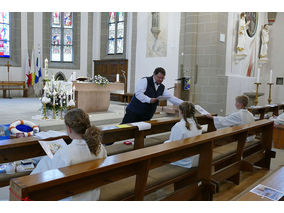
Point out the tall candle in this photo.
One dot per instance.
(117, 77)
(54, 93)
(270, 79)
(258, 74)
(73, 95)
(46, 67)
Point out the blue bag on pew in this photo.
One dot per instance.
(4, 131)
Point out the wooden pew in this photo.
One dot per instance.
(17, 85)
(64, 182)
(274, 180)
(246, 155)
(278, 136)
(22, 148)
(265, 109)
(21, 186)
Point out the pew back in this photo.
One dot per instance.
(67, 181)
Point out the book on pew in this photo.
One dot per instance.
(142, 125)
(109, 127)
(51, 147)
(123, 125)
(268, 192)
(201, 110)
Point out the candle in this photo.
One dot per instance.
(117, 77)
(73, 95)
(61, 100)
(258, 74)
(270, 79)
(46, 67)
(54, 93)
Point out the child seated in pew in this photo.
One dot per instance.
(278, 120)
(242, 116)
(86, 145)
(185, 128)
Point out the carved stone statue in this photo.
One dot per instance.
(264, 42)
(242, 35)
(155, 29)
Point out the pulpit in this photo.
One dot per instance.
(93, 97)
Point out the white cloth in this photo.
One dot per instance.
(243, 116)
(241, 36)
(279, 120)
(179, 132)
(264, 43)
(142, 86)
(74, 153)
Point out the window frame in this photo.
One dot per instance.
(62, 28)
(9, 14)
(115, 36)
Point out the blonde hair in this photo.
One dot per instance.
(188, 111)
(80, 123)
(242, 99)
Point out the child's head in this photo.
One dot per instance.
(187, 110)
(241, 102)
(79, 127)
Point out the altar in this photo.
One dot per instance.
(93, 97)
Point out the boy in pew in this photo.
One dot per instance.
(86, 146)
(185, 128)
(242, 116)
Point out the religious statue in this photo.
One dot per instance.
(241, 35)
(155, 24)
(264, 42)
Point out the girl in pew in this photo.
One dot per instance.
(242, 116)
(86, 145)
(185, 128)
(278, 120)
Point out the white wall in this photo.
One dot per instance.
(277, 56)
(238, 82)
(146, 65)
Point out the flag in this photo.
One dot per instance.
(28, 69)
(38, 67)
(32, 69)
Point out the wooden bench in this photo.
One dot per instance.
(17, 85)
(265, 109)
(278, 136)
(274, 180)
(64, 182)
(243, 156)
(60, 183)
(23, 148)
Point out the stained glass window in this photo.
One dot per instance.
(4, 34)
(61, 37)
(115, 33)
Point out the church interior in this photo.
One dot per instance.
(54, 63)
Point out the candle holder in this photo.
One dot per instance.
(61, 117)
(44, 112)
(256, 94)
(269, 97)
(54, 111)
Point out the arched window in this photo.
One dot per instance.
(115, 33)
(5, 34)
(61, 37)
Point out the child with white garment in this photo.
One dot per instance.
(86, 145)
(278, 120)
(242, 116)
(185, 128)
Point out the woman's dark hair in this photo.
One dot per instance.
(188, 111)
(79, 122)
(159, 70)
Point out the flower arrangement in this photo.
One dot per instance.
(98, 79)
(58, 95)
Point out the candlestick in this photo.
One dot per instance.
(44, 112)
(269, 96)
(258, 75)
(256, 94)
(270, 77)
(73, 93)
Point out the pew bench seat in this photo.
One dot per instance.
(124, 188)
